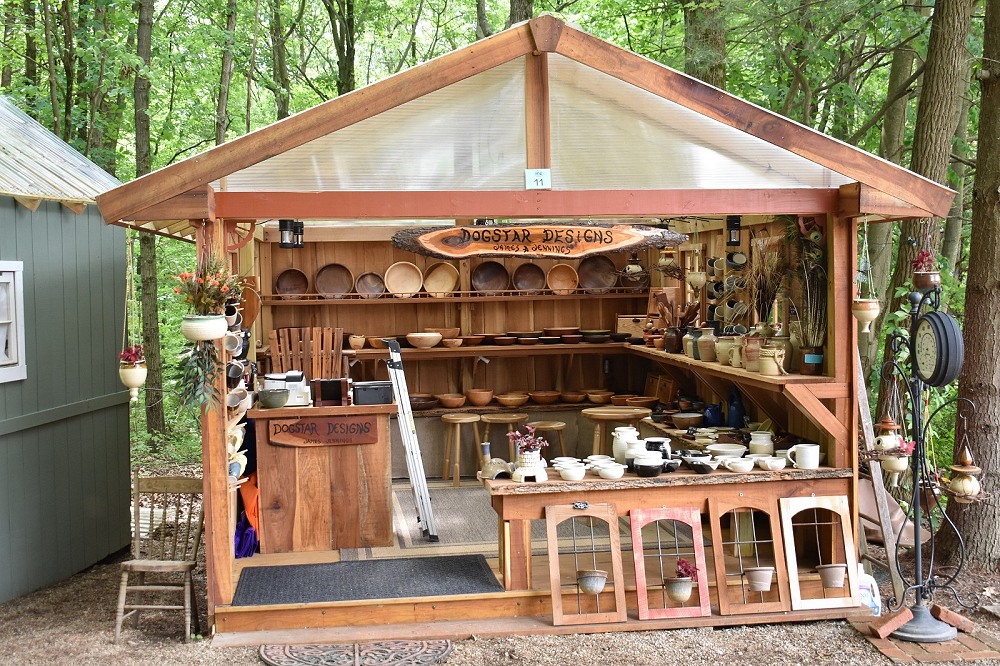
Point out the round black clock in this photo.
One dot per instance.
(937, 349)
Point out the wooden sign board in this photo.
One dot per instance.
(329, 431)
(563, 241)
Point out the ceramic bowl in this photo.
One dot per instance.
(419, 401)
(562, 330)
(566, 459)
(479, 397)
(571, 338)
(572, 472)
(647, 467)
(611, 471)
(695, 459)
(573, 397)
(740, 465)
(686, 420)
(512, 399)
(471, 340)
(273, 398)
(504, 340)
(726, 450)
(449, 332)
(451, 400)
(451, 343)
(642, 401)
(423, 340)
(771, 463)
(543, 397)
(704, 466)
(621, 399)
(591, 581)
(597, 457)
(599, 397)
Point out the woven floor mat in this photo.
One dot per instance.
(397, 653)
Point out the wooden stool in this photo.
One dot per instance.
(551, 426)
(602, 416)
(453, 440)
(512, 421)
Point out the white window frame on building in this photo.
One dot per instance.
(12, 355)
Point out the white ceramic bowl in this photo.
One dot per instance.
(562, 459)
(574, 473)
(596, 458)
(611, 471)
(726, 450)
(771, 463)
(738, 464)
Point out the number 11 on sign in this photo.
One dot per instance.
(537, 179)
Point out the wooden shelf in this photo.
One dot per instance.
(457, 297)
(494, 351)
(737, 375)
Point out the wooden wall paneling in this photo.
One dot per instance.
(834, 541)
(277, 493)
(347, 494)
(313, 478)
(375, 514)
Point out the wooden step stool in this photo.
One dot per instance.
(511, 421)
(453, 440)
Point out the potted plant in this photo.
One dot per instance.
(207, 290)
(679, 587)
(529, 454)
(926, 274)
(764, 279)
(132, 370)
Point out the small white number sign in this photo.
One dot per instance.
(537, 179)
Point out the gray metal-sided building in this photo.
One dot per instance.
(64, 430)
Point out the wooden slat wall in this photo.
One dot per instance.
(64, 477)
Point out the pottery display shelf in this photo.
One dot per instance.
(494, 351)
(354, 298)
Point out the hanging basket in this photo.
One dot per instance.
(133, 376)
(197, 328)
(678, 589)
(866, 310)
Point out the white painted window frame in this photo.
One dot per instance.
(12, 280)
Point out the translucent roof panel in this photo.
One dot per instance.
(466, 136)
(609, 134)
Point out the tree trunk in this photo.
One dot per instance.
(155, 421)
(979, 523)
(951, 244)
(892, 148)
(520, 10)
(30, 54)
(937, 118)
(9, 21)
(280, 85)
(705, 42)
(225, 76)
(341, 16)
(483, 28)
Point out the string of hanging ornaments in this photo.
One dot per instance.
(866, 306)
(131, 360)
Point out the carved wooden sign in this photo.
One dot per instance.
(329, 431)
(564, 241)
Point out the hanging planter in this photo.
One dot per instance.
(591, 581)
(679, 587)
(865, 311)
(926, 274)
(199, 328)
(132, 370)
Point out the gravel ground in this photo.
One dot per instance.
(72, 622)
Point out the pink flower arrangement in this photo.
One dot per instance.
(685, 569)
(528, 442)
(208, 288)
(923, 262)
(132, 355)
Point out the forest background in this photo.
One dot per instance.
(138, 86)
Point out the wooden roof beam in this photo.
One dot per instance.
(754, 120)
(195, 204)
(518, 203)
(857, 199)
(142, 193)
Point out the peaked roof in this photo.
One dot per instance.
(37, 165)
(452, 137)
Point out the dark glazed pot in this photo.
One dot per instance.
(673, 340)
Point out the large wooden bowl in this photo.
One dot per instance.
(528, 277)
(512, 399)
(419, 401)
(370, 285)
(562, 279)
(440, 279)
(423, 340)
(290, 283)
(490, 277)
(598, 274)
(599, 397)
(642, 401)
(543, 397)
(334, 281)
(479, 397)
(403, 279)
(449, 332)
(451, 400)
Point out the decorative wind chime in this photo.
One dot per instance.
(865, 308)
(131, 360)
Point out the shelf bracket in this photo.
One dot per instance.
(816, 412)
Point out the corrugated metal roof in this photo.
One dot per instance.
(36, 163)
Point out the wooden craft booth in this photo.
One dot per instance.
(542, 184)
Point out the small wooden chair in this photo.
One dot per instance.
(167, 523)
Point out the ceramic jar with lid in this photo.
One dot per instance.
(761, 442)
(706, 344)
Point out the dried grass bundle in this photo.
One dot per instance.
(764, 277)
(812, 305)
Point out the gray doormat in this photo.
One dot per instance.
(363, 654)
(365, 579)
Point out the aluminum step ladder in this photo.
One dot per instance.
(408, 433)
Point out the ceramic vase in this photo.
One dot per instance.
(722, 346)
(751, 352)
(620, 437)
(695, 351)
(784, 343)
(706, 344)
(771, 361)
(686, 342)
(811, 360)
(674, 340)
(133, 376)
(198, 328)
(678, 589)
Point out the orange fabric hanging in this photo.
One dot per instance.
(250, 494)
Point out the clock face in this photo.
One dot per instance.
(937, 349)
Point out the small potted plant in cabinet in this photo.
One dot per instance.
(678, 588)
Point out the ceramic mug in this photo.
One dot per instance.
(804, 456)
(236, 397)
(771, 463)
(233, 342)
(231, 313)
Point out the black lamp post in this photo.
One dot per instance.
(936, 353)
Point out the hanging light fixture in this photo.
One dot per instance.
(298, 230)
(733, 227)
(286, 230)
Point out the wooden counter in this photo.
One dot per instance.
(324, 477)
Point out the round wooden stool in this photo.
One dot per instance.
(551, 426)
(602, 416)
(453, 440)
(511, 421)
